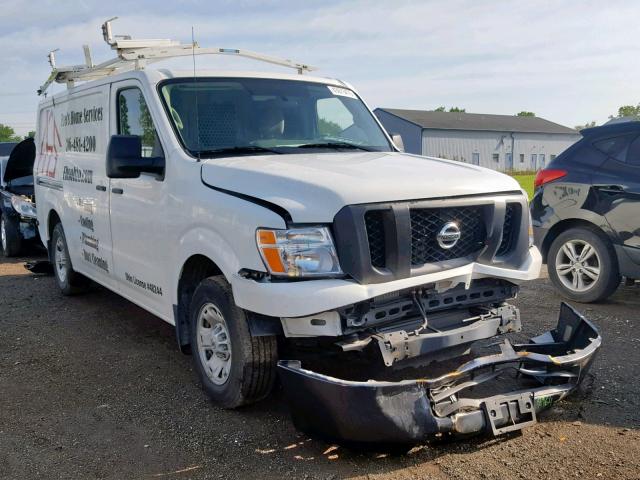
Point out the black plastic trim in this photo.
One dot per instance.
(352, 242)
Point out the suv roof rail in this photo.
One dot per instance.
(134, 54)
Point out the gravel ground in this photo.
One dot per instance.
(94, 387)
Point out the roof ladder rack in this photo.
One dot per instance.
(135, 54)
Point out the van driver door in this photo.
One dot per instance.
(138, 207)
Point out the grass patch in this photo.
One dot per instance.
(526, 181)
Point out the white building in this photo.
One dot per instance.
(500, 142)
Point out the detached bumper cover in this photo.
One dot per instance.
(412, 411)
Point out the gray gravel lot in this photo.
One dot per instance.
(94, 387)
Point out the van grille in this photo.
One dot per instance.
(425, 226)
(375, 235)
(382, 242)
(510, 229)
(427, 223)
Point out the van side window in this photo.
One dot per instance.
(134, 118)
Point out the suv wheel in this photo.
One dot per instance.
(583, 266)
(235, 368)
(69, 281)
(9, 236)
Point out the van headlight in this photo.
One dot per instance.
(298, 252)
(24, 207)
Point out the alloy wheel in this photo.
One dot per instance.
(578, 265)
(3, 234)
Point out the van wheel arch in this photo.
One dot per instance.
(52, 220)
(194, 270)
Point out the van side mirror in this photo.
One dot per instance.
(397, 139)
(125, 160)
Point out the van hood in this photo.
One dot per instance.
(20, 162)
(313, 187)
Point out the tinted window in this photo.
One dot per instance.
(134, 118)
(218, 114)
(614, 147)
(633, 153)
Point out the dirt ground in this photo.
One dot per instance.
(95, 387)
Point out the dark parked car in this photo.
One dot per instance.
(586, 212)
(17, 206)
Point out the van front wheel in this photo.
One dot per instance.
(235, 368)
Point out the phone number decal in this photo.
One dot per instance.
(84, 144)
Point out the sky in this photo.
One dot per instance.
(568, 61)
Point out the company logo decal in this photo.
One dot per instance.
(50, 146)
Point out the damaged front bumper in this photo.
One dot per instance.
(411, 411)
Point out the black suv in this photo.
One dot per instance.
(586, 212)
(17, 204)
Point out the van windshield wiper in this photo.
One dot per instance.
(239, 150)
(335, 146)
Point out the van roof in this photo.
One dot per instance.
(154, 76)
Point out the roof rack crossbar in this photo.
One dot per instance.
(134, 54)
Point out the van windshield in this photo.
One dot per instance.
(252, 116)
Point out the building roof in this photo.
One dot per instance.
(478, 121)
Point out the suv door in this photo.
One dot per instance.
(617, 186)
(138, 207)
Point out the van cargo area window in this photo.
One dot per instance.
(253, 116)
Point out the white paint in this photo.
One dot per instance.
(313, 187)
(156, 225)
(460, 145)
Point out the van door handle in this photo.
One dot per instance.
(102, 188)
(119, 191)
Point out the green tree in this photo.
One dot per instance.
(8, 134)
(632, 111)
(586, 125)
(525, 114)
(31, 134)
(146, 123)
(328, 128)
(452, 109)
(123, 110)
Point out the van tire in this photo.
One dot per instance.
(69, 281)
(603, 257)
(10, 232)
(248, 373)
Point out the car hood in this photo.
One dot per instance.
(313, 187)
(20, 162)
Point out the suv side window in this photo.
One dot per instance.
(134, 118)
(614, 147)
(633, 153)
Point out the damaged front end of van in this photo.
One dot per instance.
(496, 393)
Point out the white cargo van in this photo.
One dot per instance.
(262, 213)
